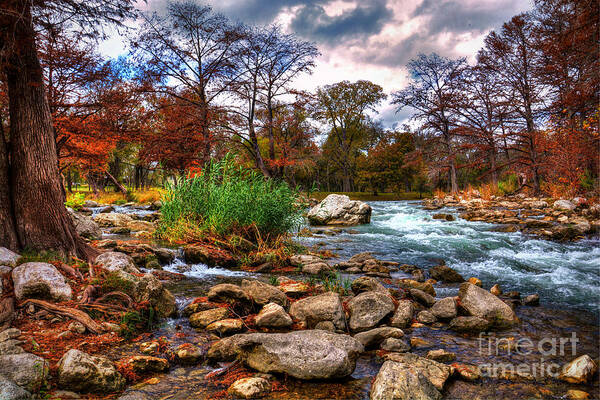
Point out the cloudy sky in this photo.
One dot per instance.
(372, 39)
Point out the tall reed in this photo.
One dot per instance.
(225, 199)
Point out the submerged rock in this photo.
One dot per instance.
(580, 370)
(395, 381)
(82, 372)
(340, 210)
(250, 388)
(437, 373)
(311, 354)
(445, 274)
(41, 281)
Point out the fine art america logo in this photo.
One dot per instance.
(547, 347)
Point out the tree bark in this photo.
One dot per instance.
(8, 233)
(41, 219)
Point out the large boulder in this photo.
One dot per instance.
(85, 226)
(82, 372)
(263, 293)
(311, 354)
(480, 303)
(272, 315)
(8, 257)
(340, 210)
(25, 369)
(40, 280)
(368, 309)
(11, 391)
(395, 381)
(112, 219)
(315, 309)
(115, 261)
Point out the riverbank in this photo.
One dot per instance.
(406, 242)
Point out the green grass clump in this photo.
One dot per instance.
(75, 201)
(228, 199)
(508, 185)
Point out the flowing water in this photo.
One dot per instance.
(564, 274)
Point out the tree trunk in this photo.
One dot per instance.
(8, 233)
(346, 181)
(257, 156)
(453, 183)
(42, 221)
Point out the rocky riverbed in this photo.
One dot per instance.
(400, 321)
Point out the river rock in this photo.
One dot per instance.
(25, 369)
(441, 355)
(368, 309)
(467, 372)
(338, 209)
(272, 315)
(144, 364)
(211, 256)
(496, 290)
(263, 293)
(82, 372)
(395, 345)
(445, 274)
(187, 353)
(437, 373)
(422, 297)
(137, 226)
(311, 354)
(395, 381)
(374, 337)
(11, 391)
(41, 281)
(444, 308)
(426, 317)
(564, 205)
(324, 307)
(408, 284)
(225, 349)
(580, 370)
(532, 300)
(367, 284)
(469, 324)
(149, 288)
(204, 318)
(8, 257)
(228, 293)
(250, 388)
(112, 219)
(226, 326)
(319, 268)
(404, 314)
(480, 303)
(85, 226)
(300, 260)
(294, 289)
(116, 261)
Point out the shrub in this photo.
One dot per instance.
(509, 184)
(75, 201)
(229, 199)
